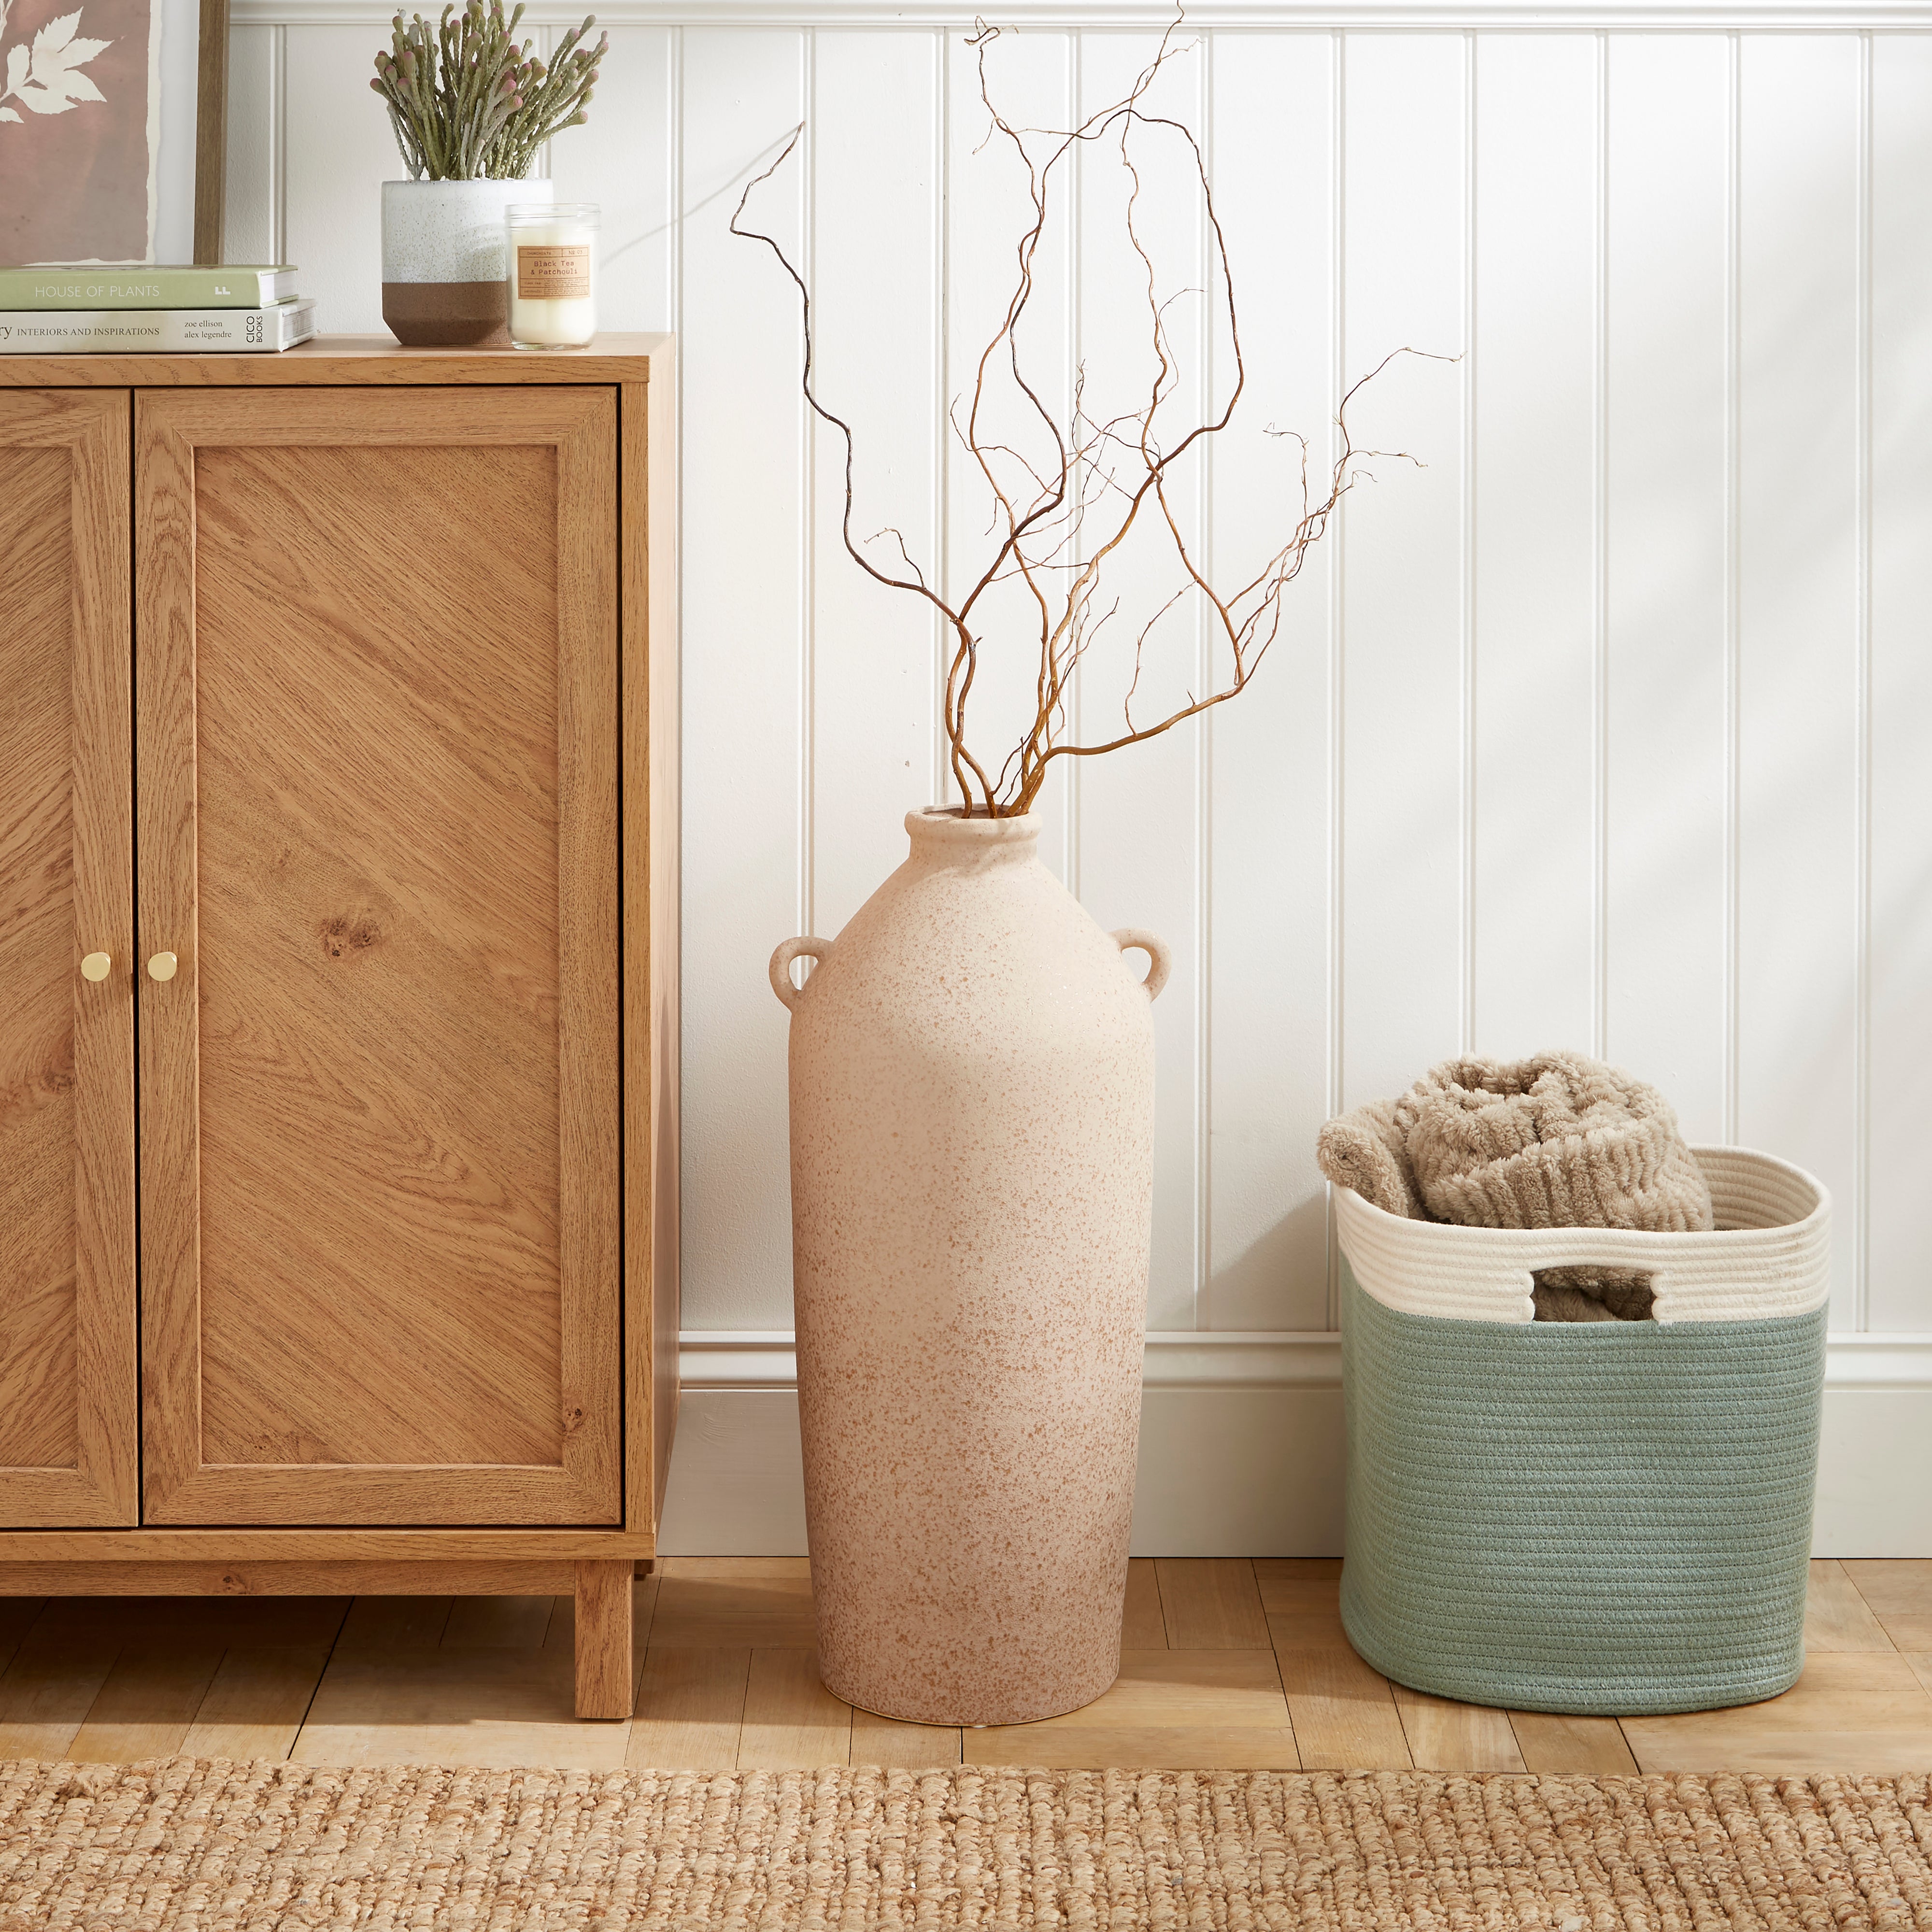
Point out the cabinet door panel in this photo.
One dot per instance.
(377, 687)
(67, 1445)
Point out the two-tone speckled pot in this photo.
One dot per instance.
(972, 1172)
(445, 254)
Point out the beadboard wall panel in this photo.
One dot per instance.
(1269, 927)
(1895, 1035)
(1600, 723)
(1800, 517)
(1667, 519)
(749, 666)
(1535, 606)
(1406, 690)
(1140, 819)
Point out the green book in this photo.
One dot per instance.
(135, 285)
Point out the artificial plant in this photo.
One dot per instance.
(468, 101)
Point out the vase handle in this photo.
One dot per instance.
(1162, 961)
(794, 949)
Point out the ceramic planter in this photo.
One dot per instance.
(444, 258)
(972, 1070)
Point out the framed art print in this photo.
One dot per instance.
(111, 119)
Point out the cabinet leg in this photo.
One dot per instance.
(604, 1682)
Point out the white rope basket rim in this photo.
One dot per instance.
(1769, 1258)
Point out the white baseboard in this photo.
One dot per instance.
(1241, 1448)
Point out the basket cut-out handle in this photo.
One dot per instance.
(1131, 938)
(806, 948)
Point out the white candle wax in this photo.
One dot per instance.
(552, 277)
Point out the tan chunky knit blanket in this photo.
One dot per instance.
(1557, 1141)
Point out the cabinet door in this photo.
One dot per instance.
(67, 1452)
(376, 721)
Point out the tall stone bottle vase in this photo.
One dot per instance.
(972, 1068)
(444, 260)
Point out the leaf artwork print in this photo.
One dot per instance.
(43, 75)
(78, 131)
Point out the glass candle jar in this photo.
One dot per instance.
(552, 273)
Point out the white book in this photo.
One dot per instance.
(178, 331)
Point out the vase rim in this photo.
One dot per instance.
(531, 189)
(945, 825)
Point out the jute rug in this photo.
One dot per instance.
(178, 1842)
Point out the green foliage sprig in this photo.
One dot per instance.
(468, 102)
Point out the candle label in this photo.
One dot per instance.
(549, 273)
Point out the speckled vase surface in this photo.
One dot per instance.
(972, 1070)
(444, 260)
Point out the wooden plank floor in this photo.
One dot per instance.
(1227, 1663)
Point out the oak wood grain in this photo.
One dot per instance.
(210, 134)
(379, 829)
(1893, 1586)
(410, 1697)
(1836, 1617)
(1344, 1712)
(1899, 1590)
(67, 1372)
(561, 1633)
(254, 1707)
(226, 1619)
(1212, 1688)
(147, 1703)
(18, 1615)
(1142, 1626)
(603, 1631)
(903, 1746)
(1303, 1603)
(1444, 1736)
(319, 1545)
(1169, 1747)
(652, 894)
(1211, 1604)
(1550, 1743)
(49, 1688)
(753, 1602)
(497, 1622)
(363, 360)
(690, 1710)
(494, 1708)
(792, 1722)
(1864, 1711)
(379, 1625)
(284, 1579)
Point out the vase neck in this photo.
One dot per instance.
(941, 836)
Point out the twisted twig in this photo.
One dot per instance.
(1040, 525)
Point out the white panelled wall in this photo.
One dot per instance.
(1607, 723)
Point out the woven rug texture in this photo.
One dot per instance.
(181, 1842)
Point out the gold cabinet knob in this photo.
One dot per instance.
(96, 966)
(162, 966)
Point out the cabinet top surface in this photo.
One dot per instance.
(347, 358)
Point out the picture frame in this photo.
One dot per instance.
(113, 121)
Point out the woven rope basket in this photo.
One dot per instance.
(1596, 1517)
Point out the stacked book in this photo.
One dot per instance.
(123, 307)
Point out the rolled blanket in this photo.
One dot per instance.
(1557, 1141)
(1365, 1151)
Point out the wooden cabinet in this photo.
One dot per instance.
(68, 1429)
(337, 709)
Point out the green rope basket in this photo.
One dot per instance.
(1602, 1518)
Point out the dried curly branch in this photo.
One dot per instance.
(1059, 518)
